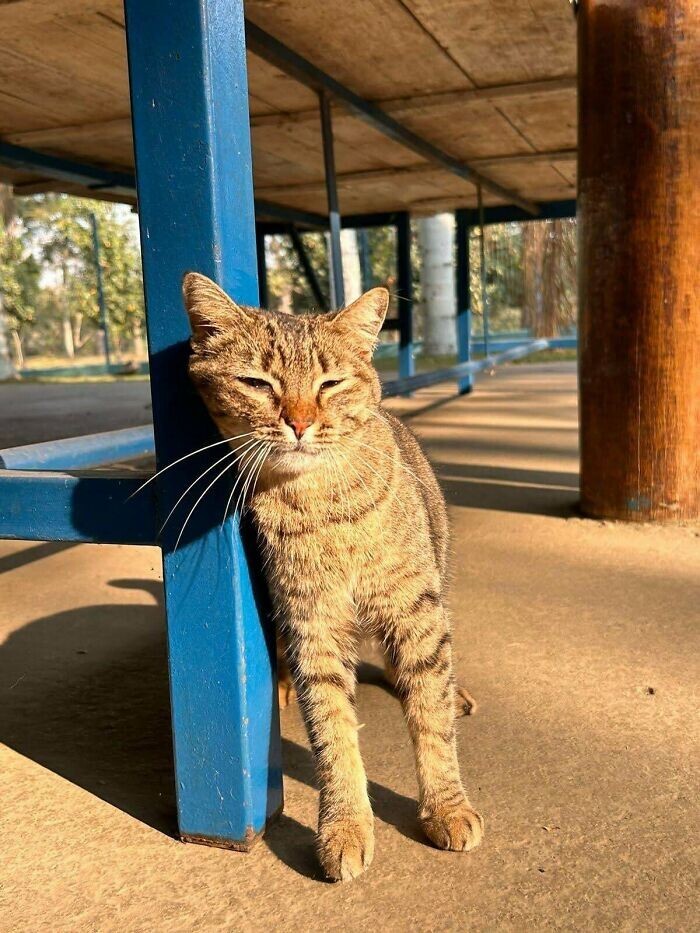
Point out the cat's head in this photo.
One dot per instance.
(303, 383)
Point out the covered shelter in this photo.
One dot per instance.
(307, 116)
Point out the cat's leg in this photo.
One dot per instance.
(420, 653)
(285, 685)
(465, 704)
(322, 658)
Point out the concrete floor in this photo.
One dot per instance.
(578, 638)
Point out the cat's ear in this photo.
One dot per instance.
(365, 316)
(209, 308)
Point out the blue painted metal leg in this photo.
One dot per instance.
(336, 269)
(264, 297)
(464, 311)
(189, 101)
(405, 294)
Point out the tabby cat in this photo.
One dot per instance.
(354, 532)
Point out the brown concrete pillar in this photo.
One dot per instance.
(639, 258)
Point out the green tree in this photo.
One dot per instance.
(59, 232)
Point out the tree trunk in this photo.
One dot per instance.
(139, 343)
(533, 297)
(352, 270)
(436, 242)
(67, 329)
(17, 347)
(7, 369)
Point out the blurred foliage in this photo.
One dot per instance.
(48, 275)
(530, 276)
(48, 284)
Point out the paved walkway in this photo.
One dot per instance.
(578, 638)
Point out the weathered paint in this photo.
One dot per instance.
(77, 453)
(639, 258)
(193, 166)
(37, 506)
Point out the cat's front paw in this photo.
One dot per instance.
(456, 827)
(346, 846)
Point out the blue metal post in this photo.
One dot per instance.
(365, 252)
(102, 304)
(404, 290)
(189, 102)
(264, 297)
(336, 263)
(482, 273)
(464, 309)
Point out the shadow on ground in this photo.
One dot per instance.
(509, 489)
(87, 698)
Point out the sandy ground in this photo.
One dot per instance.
(578, 638)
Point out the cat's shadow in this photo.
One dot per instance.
(86, 696)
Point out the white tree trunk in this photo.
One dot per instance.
(7, 370)
(352, 273)
(436, 241)
(140, 351)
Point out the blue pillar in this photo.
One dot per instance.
(336, 258)
(464, 310)
(264, 297)
(189, 101)
(404, 290)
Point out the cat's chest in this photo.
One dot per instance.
(315, 532)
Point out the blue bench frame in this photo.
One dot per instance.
(196, 210)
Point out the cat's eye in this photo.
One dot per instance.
(256, 383)
(329, 383)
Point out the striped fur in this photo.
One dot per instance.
(354, 532)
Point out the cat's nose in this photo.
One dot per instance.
(299, 427)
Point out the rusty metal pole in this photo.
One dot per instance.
(639, 258)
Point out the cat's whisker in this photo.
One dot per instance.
(262, 464)
(240, 502)
(192, 510)
(381, 453)
(338, 484)
(203, 474)
(239, 479)
(226, 440)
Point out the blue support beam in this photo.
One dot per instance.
(123, 182)
(189, 104)
(263, 295)
(336, 254)
(61, 507)
(508, 213)
(300, 68)
(404, 294)
(79, 453)
(289, 215)
(67, 170)
(424, 380)
(464, 309)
